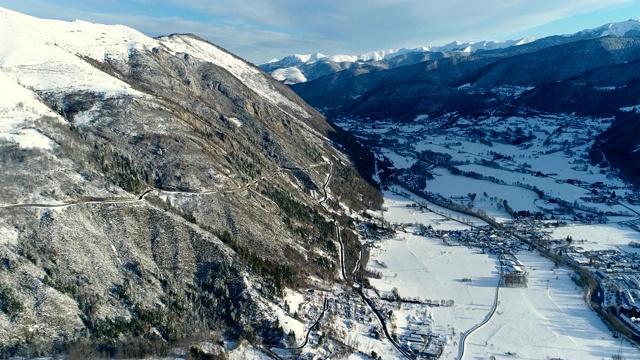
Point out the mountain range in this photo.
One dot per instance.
(592, 73)
(298, 68)
(155, 190)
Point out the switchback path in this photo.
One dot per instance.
(73, 203)
(149, 190)
(326, 183)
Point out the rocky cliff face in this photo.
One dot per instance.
(155, 188)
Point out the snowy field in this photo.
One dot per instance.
(400, 210)
(452, 186)
(548, 318)
(599, 236)
(428, 269)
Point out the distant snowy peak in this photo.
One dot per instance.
(630, 27)
(293, 69)
(626, 28)
(469, 47)
(472, 47)
(300, 68)
(289, 75)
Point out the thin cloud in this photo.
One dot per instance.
(260, 30)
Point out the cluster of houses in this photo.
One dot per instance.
(350, 308)
(483, 237)
(422, 343)
(618, 274)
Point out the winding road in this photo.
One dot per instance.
(306, 338)
(149, 190)
(463, 337)
(356, 285)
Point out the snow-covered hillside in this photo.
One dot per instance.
(117, 149)
(630, 27)
(52, 56)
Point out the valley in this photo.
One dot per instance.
(481, 247)
(467, 205)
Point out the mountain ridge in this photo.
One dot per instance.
(156, 192)
(455, 46)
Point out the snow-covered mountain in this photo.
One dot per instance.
(299, 68)
(155, 190)
(294, 69)
(456, 46)
(49, 55)
(630, 27)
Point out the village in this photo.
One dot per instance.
(466, 220)
(545, 195)
(617, 272)
(346, 322)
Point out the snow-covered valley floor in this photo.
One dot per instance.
(548, 318)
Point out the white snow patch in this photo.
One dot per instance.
(29, 138)
(19, 107)
(8, 236)
(235, 121)
(246, 351)
(605, 88)
(399, 161)
(290, 324)
(631, 108)
(85, 117)
(294, 299)
(290, 75)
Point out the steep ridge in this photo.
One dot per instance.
(154, 190)
(618, 146)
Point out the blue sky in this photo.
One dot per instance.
(259, 30)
